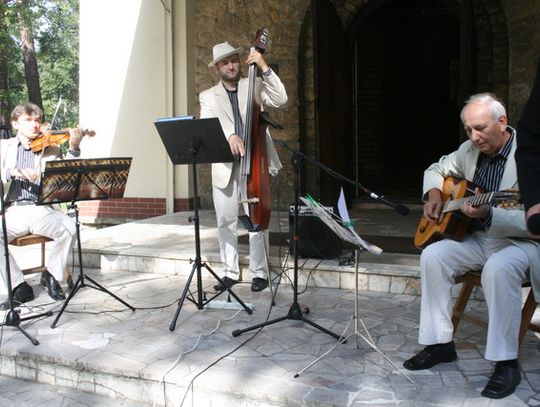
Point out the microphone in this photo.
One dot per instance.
(402, 209)
(399, 207)
(533, 224)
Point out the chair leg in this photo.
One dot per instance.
(527, 313)
(460, 304)
(68, 277)
(43, 255)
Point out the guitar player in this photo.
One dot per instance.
(497, 245)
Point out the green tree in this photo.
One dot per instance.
(59, 59)
(26, 34)
(39, 56)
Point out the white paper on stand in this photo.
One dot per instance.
(343, 228)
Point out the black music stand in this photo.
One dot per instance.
(82, 180)
(199, 141)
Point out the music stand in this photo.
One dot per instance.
(341, 225)
(196, 141)
(82, 180)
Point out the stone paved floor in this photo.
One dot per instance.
(102, 354)
(99, 346)
(19, 392)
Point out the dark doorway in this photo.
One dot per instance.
(331, 101)
(405, 60)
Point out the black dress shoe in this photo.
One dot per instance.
(227, 283)
(503, 381)
(21, 294)
(53, 288)
(432, 355)
(258, 284)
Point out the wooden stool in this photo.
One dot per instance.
(472, 279)
(38, 239)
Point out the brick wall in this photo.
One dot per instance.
(126, 208)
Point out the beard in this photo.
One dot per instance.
(231, 77)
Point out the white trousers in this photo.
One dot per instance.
(504, 268)
(226, 204)
(42, 220)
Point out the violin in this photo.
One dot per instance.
(47, 137)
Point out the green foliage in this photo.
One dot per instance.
(55, 26)
(59, 58)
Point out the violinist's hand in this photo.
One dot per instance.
(433, 207)
(237, 145)
(27, 173)
(76, 136)
(255, 57)
(480, 212)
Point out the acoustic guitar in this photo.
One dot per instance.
(453, 223)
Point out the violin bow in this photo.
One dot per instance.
(56, 112)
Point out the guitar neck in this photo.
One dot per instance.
(475, 200)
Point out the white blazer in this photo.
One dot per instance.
(215, 102)
(510, 223)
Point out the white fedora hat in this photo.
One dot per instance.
(223, 50)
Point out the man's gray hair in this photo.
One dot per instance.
(494, 105)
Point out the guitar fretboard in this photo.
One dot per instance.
(475, 200)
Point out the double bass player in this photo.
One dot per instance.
(227, 101)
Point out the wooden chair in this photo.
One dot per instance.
(30, 239)
(472, 279)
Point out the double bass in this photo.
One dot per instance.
(254, 173)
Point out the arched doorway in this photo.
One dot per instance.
(405, 59)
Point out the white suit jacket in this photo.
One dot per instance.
(8, 157)
(510, 223)
(215, 103)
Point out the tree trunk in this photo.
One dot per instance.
(29, 53)
(5, 124)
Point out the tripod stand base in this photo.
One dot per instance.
(295, 313)
(80, 283)
(201, 302)
(13, 319)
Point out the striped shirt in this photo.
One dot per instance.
(489, 170)
(489, 173)
(22, 189)
(238, 124)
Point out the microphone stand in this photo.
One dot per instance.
(295, 310)
(13, 318)
(399, 207)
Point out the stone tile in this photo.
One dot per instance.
(101, 347)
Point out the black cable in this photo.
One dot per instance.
(241, 345)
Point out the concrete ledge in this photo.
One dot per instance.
(397, 274)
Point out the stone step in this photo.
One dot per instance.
(389, 273)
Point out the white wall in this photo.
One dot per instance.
(125, 84)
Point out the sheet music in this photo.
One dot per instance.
(340, 225)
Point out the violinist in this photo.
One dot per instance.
(21, 167)
(227, 101)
